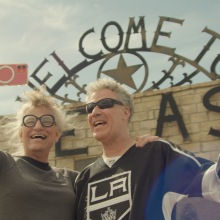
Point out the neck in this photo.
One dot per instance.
(37, 156)
(117, 148)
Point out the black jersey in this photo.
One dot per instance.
(140, 184)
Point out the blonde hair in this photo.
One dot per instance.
(108, 83)
(33, 98)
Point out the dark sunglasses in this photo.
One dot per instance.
(102, 104)
(45, 120)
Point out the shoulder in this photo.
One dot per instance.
(167, 146)
(161, 145)
(169, 151)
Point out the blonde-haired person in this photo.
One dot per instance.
(30, 189)
(133, 183)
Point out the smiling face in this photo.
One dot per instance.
(108, 124)
(38, 140)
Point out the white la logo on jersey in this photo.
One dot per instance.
(112, 193)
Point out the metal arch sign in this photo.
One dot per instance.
(123, 71)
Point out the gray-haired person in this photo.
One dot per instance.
(135, 183)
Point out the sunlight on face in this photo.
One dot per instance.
(38, 138)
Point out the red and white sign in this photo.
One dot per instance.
(13, 74)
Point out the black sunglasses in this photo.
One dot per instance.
(102, 104)
(45, 120)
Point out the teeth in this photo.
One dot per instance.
(99, 123)
(38, 136)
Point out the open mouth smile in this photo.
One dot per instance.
(38, 136)
(97, 123)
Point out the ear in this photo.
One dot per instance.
(127, 113)
(58, 135)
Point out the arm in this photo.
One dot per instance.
(6, 161)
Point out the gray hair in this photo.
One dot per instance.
(108, 83)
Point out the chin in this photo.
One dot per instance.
(36, 148)
(99, 136)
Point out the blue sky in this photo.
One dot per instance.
(32, 29)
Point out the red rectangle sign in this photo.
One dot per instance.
(13, 74)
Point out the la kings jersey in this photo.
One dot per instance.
(137, 185)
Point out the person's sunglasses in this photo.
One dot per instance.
(45, 120)
(102, 104)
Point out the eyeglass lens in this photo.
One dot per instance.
(102, 104)
(45, 120)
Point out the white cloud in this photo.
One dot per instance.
(32, 30)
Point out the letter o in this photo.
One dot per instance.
(120, 33)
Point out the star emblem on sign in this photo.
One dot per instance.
(123, 73)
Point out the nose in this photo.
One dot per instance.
(95, 111)
(38, 124)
